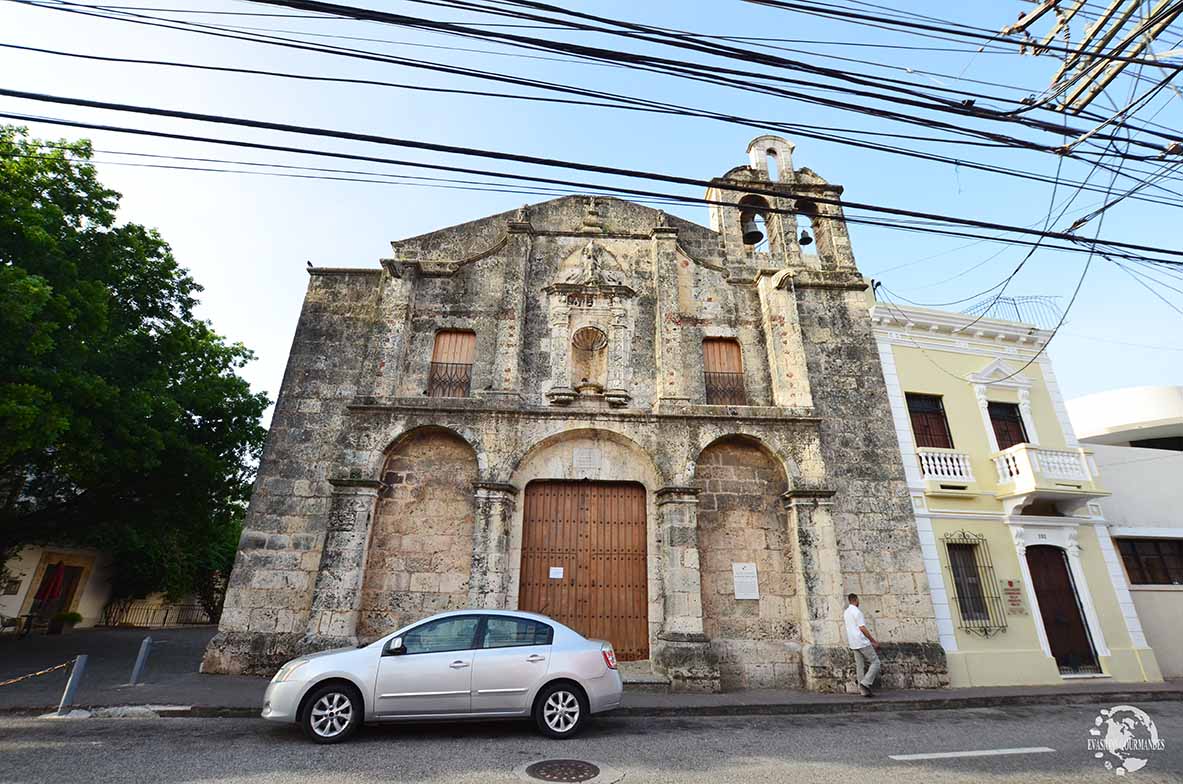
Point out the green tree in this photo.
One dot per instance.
(124, 422)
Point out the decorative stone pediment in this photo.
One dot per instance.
(592, 269)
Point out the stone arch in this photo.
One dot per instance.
(742, 519)
(620, 459)
(517, 467)
(419, 559)
(708, 436)
(412, 430)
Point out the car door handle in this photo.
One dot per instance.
(535, 658)
(458, 665)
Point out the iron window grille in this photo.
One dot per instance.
(725, 389)
(975, 589)
(449, 379)
(1152, 561)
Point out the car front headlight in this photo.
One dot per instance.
(287, 671)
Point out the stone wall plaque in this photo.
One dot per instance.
(1012, 597)
(747, 584)
(586, 460)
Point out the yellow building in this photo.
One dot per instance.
(1025, 581)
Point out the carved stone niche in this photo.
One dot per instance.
(591, 314)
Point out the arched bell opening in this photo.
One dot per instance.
(753, 221)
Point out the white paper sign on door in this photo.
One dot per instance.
(747, 584)
(556, 573)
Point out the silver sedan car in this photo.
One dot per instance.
(466, 664)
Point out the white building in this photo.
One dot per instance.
(84, 585)
(1136, 435)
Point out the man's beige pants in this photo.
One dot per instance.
(866, 660)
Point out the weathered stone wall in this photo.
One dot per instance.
(878, 549)
(354, 529)
(742, 519)
(420, 554)
(270, 590)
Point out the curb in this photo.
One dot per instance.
(881, 706)
(744, 709)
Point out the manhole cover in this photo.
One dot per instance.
(566, 770)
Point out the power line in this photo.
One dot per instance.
(769, 190)
(798, 130)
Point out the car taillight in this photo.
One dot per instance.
(609, 656)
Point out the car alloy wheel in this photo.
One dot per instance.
(561, 711)
(332, 714)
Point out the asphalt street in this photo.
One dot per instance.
(747, 749)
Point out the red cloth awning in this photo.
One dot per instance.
(52, 588)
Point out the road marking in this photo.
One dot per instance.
(978, 753)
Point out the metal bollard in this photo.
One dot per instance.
(72, 684)
(141, 660)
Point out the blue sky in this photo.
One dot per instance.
(246, 238)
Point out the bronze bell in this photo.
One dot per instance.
(805, 238)
(751, 230)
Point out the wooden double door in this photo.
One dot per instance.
(584, 560)
(1059, 606)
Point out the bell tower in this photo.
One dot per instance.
(788, 217)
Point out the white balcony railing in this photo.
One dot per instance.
(1060, 464)
(1024, 463)
(944, 465)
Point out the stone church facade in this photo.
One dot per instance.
(598, 411)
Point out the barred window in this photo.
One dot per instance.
(1152, 561)
(929, 425)
(975, 588)
(451, 363)
(722, 361)
(1007, 423)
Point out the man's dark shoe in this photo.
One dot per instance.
(865, 691)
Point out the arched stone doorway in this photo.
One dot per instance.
(420, 554)
(742, 520)
(584, 560)
(589, 485)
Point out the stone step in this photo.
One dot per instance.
(638, 676)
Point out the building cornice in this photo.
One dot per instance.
(960, 326)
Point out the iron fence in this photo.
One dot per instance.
(725, 389)
(150, 616)
(449, 379)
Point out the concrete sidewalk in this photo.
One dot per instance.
(171, 678)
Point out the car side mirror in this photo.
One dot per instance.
(395, 647)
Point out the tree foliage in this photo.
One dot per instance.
(124, 422)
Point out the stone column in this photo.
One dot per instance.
(825, 654)
(560, 391)
(682, 651)
(336, 598)
(488, 586)
(671, 360)
(620, 359)
(511, 321)
(785, 343)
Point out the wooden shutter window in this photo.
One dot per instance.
(1008, 424)
(929, 425)
(451, 363)
(722, 365)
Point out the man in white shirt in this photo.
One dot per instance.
(863, 645)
